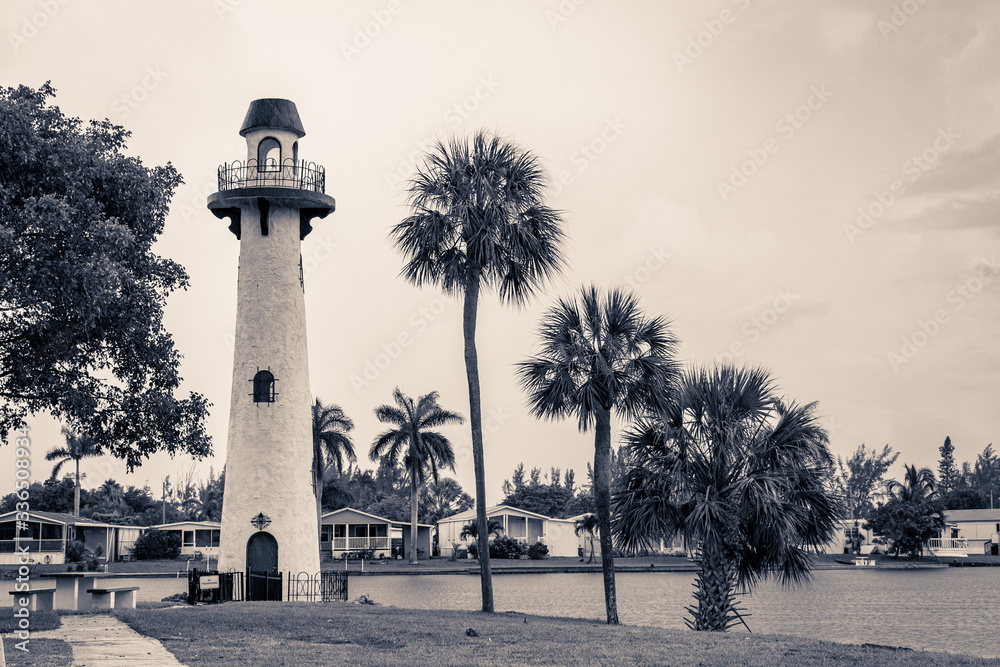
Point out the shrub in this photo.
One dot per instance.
(506, 547)
(74, 551)
(157, 544)
(538, 551)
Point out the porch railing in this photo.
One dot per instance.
(300, 175)
(948, 543)
(33, 546)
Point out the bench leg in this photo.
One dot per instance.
(42, 601)
(125, 600)
(103, 600)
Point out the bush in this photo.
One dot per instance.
(74, 551)
(157, 544)
(506, 547)
(538, 551)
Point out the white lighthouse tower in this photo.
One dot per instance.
(269, 517)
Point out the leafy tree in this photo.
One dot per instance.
(907, 524)
(550, 497)
(984, 477)
(444, 498)
(394, 508)
(741, 474)
(77, 448)
(332, 445)
(81, 290)
(205, 503)
(948, 474)
(413, 443)
(916, 487)
(52, 495)
(157, 544)
(964, 499)
(471, 529)
(600, 353)
(479, 221)
(860, 478)
(587, 524)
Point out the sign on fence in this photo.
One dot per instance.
(209, 581)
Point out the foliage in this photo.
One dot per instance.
(74, 551)
(964, 499)
(741, 474)
(332, 445)
(506, 548)
(907, 524)
(859, 480)
(538, 551)
(444, 498)
(409, 440)
(916, 487)
(600, 352)
(471, 529)
(948, 474)
(553, 496)
(479, 220)
(984, 476)
(157, 544)
(81, 290)
(394, 508)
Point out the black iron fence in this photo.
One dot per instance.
(326, 586)
(300, 175)
(215, 586)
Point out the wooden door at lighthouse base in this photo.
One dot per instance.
(263, 578)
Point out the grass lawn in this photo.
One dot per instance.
(309, 634)
(48, 652)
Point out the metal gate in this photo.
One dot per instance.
(215, 586)
(325, 586)
(262, 585)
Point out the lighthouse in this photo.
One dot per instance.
(269, 517)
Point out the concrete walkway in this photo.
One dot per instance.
(101, 640)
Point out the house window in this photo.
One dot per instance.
(340, 530)
(51, 532)
(188, 540)
(268, 155)
(263, 387)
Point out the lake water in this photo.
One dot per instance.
(951, 609)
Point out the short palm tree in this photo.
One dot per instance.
(412, 442)
(587, 524)
(112, 492)
(600, 353)
(471, 529)
(77, 447)
(740, 474)
(332, 445)
(917, 485)
(478, 221)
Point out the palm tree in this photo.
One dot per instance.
(471, 529)
(112, 492)
(600, 353)
(587, 524)
(332, 445)
(479, 221)
(420, 449)
(77, 447)
(740, 474)
(917, 485)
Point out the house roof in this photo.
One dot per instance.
(196, 524)
(972, 515)
(495, 510)
(65, 519)
(380, 519)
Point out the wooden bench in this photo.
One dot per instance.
(39, 599)
(110, 598)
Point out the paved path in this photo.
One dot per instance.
(101, 640)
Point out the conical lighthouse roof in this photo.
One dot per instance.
(272, 113)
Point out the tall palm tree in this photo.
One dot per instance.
(917, 485)
(587, 524)
(77, 447)
(471, 529)
(600, 353)
(113, 492)
(740, 474)
(479, 220)
(414, 444)
(332, 445)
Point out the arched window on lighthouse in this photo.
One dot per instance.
(268, 154)
(263, 387)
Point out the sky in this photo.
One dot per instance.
(811, 187)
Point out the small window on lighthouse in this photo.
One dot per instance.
(263, 387)
(268, 155)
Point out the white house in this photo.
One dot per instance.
(195, 536)
(968, 532)
(45, 535)
(348, 530)
(524, 526)
(845, 533)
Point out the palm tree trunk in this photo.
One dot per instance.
(591, 560)
(716, 610)
(602, 498)
(413, 516)
(76, 491)
(471, 308)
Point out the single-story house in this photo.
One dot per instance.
(348, 530)
(195, 536)
(968, 532)
(844, 536)
(46, 534)
(674, 546)
(524, 526)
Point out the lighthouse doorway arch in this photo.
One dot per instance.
(262, 552)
